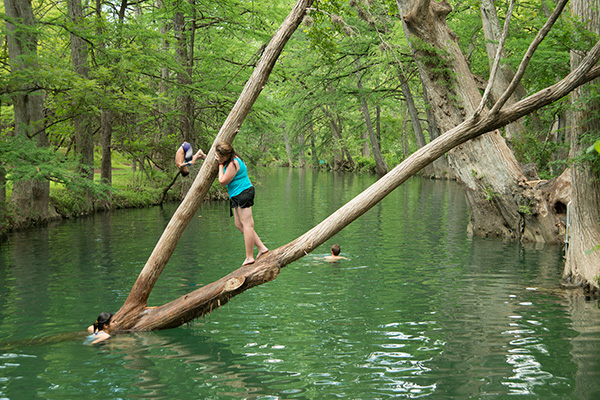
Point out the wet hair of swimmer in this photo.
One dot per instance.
(102, 321)
(335, 250)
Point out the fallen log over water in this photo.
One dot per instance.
(134, 315)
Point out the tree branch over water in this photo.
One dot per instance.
(267, 268)
(134, 310)
(135, 315)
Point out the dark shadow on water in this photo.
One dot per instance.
(43, 340)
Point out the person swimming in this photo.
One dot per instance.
(335, 254)
(100, 330)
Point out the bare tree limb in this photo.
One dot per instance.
(532, 47)
(494, 70)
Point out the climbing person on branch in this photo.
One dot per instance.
(185, 157)
(234, 175)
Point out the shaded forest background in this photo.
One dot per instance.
(125, 82)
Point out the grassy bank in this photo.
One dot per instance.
(131, 188)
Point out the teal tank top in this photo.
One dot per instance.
(240, 181)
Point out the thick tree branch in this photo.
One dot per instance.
(209, 297)
(135, 303)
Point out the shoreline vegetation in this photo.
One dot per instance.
(131, 188)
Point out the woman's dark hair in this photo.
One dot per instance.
(226, 152)
(103, 319)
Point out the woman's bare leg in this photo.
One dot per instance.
(245, 223)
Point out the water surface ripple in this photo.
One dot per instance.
(419, 310)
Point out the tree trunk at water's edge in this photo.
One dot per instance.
(582, 267)
(501, 203)
(30, 199)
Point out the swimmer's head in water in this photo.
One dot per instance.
(335, 250)
(102, 321)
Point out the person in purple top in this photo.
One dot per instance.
(185, 157)
(234, 175)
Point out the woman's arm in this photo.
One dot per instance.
(229, 174)
(102, 336)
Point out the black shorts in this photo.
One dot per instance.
(242, 200)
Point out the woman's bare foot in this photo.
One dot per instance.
(262, 252)
(248, 261)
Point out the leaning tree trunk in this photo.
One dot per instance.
(134, 313)
(412, 108)
(135, 316)
(582, 267)
(501, 203)
(31, 198)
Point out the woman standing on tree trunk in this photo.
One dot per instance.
(234, 175)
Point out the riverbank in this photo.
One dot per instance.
(130, 189)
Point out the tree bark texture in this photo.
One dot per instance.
(106, 115)
(582, 267)
(184, 79)
(30, 199)
(502, 204)
(288, 146)
(84, 144)
(134, 314)
(341, 156)
(412, 108)
(106, 118)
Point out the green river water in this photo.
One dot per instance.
(419, 309)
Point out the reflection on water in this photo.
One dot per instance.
(417, 310)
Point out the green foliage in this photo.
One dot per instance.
(364, 164)
(21, 160)
(489, 193)
(595, 147)
(595, 248)
(525, 209)
(437, 61)
(138, 80)
(530, 148)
